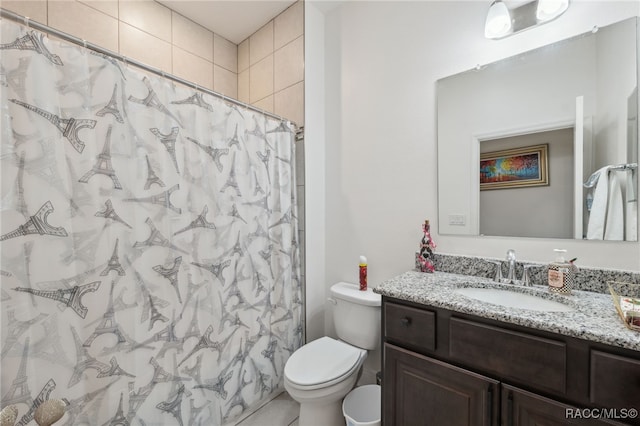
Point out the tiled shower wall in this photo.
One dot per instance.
(146, 31)
(271, 65)
(265, 70)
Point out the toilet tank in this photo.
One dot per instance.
(356, 315)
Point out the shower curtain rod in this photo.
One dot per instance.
(25, 20)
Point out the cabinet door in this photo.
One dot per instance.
(418, 390)
(522, 408)
(615, 381)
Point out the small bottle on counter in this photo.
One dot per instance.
(363, 273)
(561, 273)
(424, 258)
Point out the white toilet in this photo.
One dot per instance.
(321, 373)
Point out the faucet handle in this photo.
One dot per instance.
(498, 276)
(526, 275)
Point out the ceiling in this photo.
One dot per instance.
(234, 20)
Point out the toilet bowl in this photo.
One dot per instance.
(321, 373)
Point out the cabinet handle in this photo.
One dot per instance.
(490, 404)
(510, 409)
(406, 321)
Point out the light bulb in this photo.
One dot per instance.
(498, 21)
(550, 9)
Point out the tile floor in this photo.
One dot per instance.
(280, 411)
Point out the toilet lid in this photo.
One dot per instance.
(320, 361)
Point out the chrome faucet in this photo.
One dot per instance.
(511, 272)
(526, 275)
(511, 258)
(498, 275)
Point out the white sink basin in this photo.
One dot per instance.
(512, 299)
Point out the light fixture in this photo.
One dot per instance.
(498, 23)
(550, 9)
(503, 21)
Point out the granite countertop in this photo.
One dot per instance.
(594, 316)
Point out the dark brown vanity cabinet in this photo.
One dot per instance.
(443, 368)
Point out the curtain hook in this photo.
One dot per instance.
(124, 60)
(26, 22)
(195, 86)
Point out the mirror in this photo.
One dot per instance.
(577, 98)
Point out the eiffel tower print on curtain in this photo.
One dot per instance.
(103, 164)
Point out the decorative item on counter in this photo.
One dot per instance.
(427, 246)
(626, 298)
(562, 274)
(363, 273)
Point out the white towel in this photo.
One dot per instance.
(614, 227)
(631, 213)
(598, 213)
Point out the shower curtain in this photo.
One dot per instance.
(150, 272)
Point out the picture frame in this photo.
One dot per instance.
(514, 168)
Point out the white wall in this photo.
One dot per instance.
(315, 277)
(382, 60)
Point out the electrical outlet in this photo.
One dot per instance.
(457, 219)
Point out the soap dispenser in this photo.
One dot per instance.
(561, 274)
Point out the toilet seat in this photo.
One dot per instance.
(322, 363)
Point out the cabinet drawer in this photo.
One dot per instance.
(614, 380)
(511, 355)
(410, 326)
